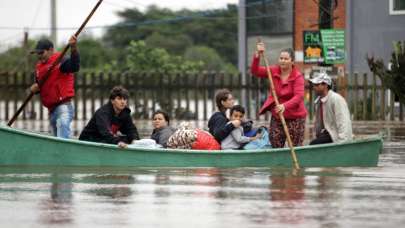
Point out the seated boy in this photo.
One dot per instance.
(111, 120)
(236, 140)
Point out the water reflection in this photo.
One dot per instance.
(212, 180)
(287, 187)
(207, 197)
(58, 208)
(112, 186)
(162, 182)
(287, 194)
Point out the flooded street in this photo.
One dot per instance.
(243, 197)
(120, 63)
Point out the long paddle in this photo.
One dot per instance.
(57, 61)
(280, 114)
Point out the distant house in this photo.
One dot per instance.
(372, 26)
(281, 24)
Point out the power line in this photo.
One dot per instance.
(115, 4)
(10, 37)
(36, 12)
(206, 15)
(136, 3)
(259, 3)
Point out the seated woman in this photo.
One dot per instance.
(219, 125)
(112, 123)
(161, 129)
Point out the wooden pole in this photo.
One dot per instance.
(280, 114)
(57, 61)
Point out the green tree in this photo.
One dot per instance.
(93, 54)
(140, 57)
(216, 29)
(18, 59)
(176, 44)
(393, 78)
(207, 55)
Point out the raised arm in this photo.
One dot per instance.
(255, 68)
(72, 64)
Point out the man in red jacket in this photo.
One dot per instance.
(58, 90)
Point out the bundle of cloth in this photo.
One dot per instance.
(188, 137)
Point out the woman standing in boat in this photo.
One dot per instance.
(218, 123)
(161, 129)
(289, 86)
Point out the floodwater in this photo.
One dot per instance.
(210, 197)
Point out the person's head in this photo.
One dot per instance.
(321, 84)
(286, 59)
(224, 100)
(43, 49)
(119, 98)
(160, 119)
(237, 112)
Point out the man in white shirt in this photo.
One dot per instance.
(332, 119)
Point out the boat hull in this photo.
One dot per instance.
(27, 148)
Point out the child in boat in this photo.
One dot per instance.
(236, 140)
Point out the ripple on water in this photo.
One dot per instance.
(262, 197)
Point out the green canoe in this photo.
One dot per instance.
(27, 148)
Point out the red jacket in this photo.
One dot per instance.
(58, 88)
(290, 93)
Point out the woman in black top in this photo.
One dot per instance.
(218, 123)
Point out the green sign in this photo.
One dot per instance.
(324, 46)
(333, 43)
(312, 47)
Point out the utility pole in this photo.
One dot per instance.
(325, 19)
(53, 22)
(325, 14)
(29, 111)
(25, 47)
(242, 48)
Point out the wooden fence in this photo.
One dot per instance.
(190, 96)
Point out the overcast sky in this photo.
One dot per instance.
(17, 14)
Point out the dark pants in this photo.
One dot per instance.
(296, 128)
(322, 138)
